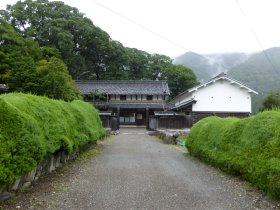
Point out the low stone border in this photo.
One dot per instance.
(170, 136)
(44, 167)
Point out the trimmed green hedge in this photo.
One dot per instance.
(248, 147)
(32, 128)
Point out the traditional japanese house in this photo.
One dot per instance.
(131, 101)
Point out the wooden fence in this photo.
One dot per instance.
(169, 122)
(109, 121)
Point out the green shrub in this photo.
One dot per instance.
(248, 147)
(32, 128)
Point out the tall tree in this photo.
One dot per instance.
(83, 46)
(137, 64)
(55, 81)
(158, 64)
(180, 78)
(26, 67)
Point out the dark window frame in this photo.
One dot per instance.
(149, 97)
(123, 97)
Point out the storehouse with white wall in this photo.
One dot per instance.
(221, 96)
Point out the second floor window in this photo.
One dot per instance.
(122, 97)
(149, 97)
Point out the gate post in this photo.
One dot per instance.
(147, 118)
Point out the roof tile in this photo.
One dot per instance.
(124, 87)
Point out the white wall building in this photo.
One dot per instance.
(222, 96)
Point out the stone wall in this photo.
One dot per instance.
(44, 167)
(170, 136)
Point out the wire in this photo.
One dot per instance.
(256, 37)
(141, 26)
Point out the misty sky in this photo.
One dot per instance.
(173, 27)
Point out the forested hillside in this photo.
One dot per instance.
(260, 72)
(88, 52)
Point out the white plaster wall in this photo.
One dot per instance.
(222, 96)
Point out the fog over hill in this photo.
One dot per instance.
(206, 66)
(260, 72)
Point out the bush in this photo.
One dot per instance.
(32, 128)
(248, 147)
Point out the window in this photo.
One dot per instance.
(136, 97)
(122, 97)
(127, 118)
(139, 116)
(149, 97)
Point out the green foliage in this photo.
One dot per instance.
(271, 101)
(25, 67)
(33, 127)
(55, 81)
(180, 78)
(83, 46)
(248, 147)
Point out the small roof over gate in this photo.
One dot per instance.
(124, 87)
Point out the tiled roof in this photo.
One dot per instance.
(221, 76)
(124, 87)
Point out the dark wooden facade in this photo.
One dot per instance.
(169, 122)
(131, 102)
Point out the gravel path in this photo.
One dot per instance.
(136, 171)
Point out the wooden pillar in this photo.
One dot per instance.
(147, 118)
(118, 117)
(191, 119)
(157, 122)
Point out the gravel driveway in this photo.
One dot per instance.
(137, 171)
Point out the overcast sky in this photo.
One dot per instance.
(173, 27)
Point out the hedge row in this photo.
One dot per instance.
(33, 127)
(248, 147)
